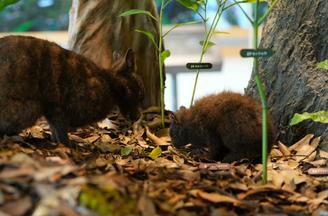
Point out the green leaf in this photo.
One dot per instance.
(323, 65)
(5, 3)
(25, 26)
(209, 45)
(126, 151)
(221, 32)
(321, 116)
(192, 5)
(137, 11)
(155, 153)
(149, 35)
(181, 24)
(164, 55)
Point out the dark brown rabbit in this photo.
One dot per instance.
(229, 124)
(39, 78)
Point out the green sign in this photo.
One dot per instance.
(197, 66)
(248, 53)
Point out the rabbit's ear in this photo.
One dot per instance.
(173, 118)
(182, 108)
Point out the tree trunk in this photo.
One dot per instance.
(96, 31)
(297, 32)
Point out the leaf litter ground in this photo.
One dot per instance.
(119, 169)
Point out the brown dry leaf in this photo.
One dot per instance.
(323, 154)
(21, 159)
(178, 160)
(105, 147)
(311, 157)
(37, 132)
(175, 199)
(275, 177)
(125, 140)
(53, 199)
(76, 138)
(309, 151)
(57, 160)
(189, 175)
(298, 198)
(107, 124)
(305, 149)
(322, 198)
(215, 197)
(293, 163)
(304, 141)
(17, 207)
(283, 149)
(163, 132)
(163, 162)
(238, 186)
(53, 173)
(146, 206)
(105, 138)
(261, 189)
(293, 208)
(292, 178)
(19, 172)
(318, 163)
(143, 144)
(223, 212)
(152, 109)
(276, 153)
(156, 140)
(91, 139)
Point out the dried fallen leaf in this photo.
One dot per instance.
(323, 154)
(283, 149)
(91, 139)
(318, 163)
(215, 197)
(156, 140)
(322, 198)
(17, 207)
(14, 173)
(275, 153)
(267, 189)
(23, 160)
(189, 175)
(146, 206)
(304, 141)
(106, 124)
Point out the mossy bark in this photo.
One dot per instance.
(96, 31)
(297, 32)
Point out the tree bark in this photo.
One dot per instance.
(96, 31)
(297, 32)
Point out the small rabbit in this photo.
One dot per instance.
(228, 123)
(39, 78)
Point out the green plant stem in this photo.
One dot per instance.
(267, 12)
(244, 12)
(235, 3)
(206, 42)
(161, 64)
(260, 89)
